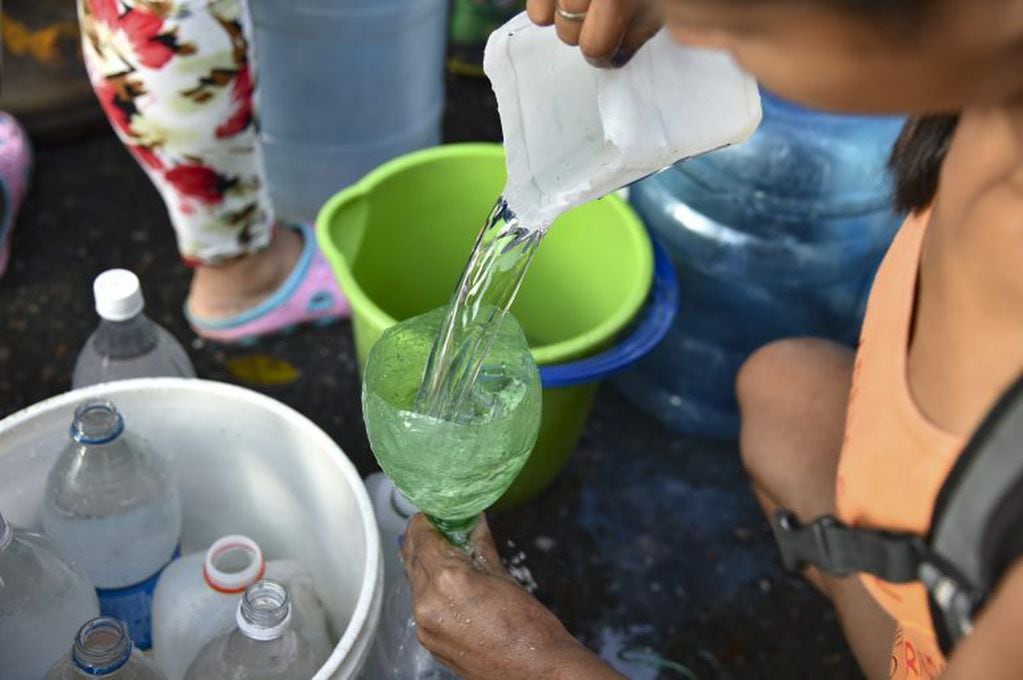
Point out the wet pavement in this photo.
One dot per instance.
(649, 545)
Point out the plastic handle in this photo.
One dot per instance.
(657, 317)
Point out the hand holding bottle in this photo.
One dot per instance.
(477, 620)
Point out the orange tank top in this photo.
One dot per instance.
(894, 460)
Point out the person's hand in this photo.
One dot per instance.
(608, 32)
(477, 620)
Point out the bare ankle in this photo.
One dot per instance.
(240, 284)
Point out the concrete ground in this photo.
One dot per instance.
(649, 545)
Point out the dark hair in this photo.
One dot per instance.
(917, 158)
(875, 5)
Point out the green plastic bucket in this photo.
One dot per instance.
(398, 240)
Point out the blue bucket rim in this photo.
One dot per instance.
(654, 321)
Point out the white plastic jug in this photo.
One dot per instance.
(574, 133)
(197, 598)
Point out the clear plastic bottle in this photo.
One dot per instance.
(127, 343)
(263, 646)
(397, 653)
(777, 237)
(198, 594)
(43, 601)
(392, 511)
(112, 506)
(103, 649)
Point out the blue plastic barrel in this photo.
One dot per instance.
(777, 237)
(344, 85)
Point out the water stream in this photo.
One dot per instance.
(497, 265)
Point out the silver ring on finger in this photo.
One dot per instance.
(569, 16)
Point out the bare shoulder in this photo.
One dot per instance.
(991, 242)
(968, 347)
(979, 211)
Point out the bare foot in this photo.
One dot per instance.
(224, 290)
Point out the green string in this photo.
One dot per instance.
(652, 659)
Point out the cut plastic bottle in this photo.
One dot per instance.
(112, 506)
(263, 646)
(197, 597)
(103, 649)
(44, 599)
(127, 343)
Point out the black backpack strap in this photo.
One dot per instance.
(976, 530)
(840, 550)
(977, 524)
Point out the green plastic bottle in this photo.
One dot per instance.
(472, 22)
(456, 466)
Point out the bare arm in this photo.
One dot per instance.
(477, 620)
(793, 395)
(868, 628)
(993, 651)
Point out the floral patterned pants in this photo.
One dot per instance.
(175, 78)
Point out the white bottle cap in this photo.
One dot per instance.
(118, 295)
(233, 581)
